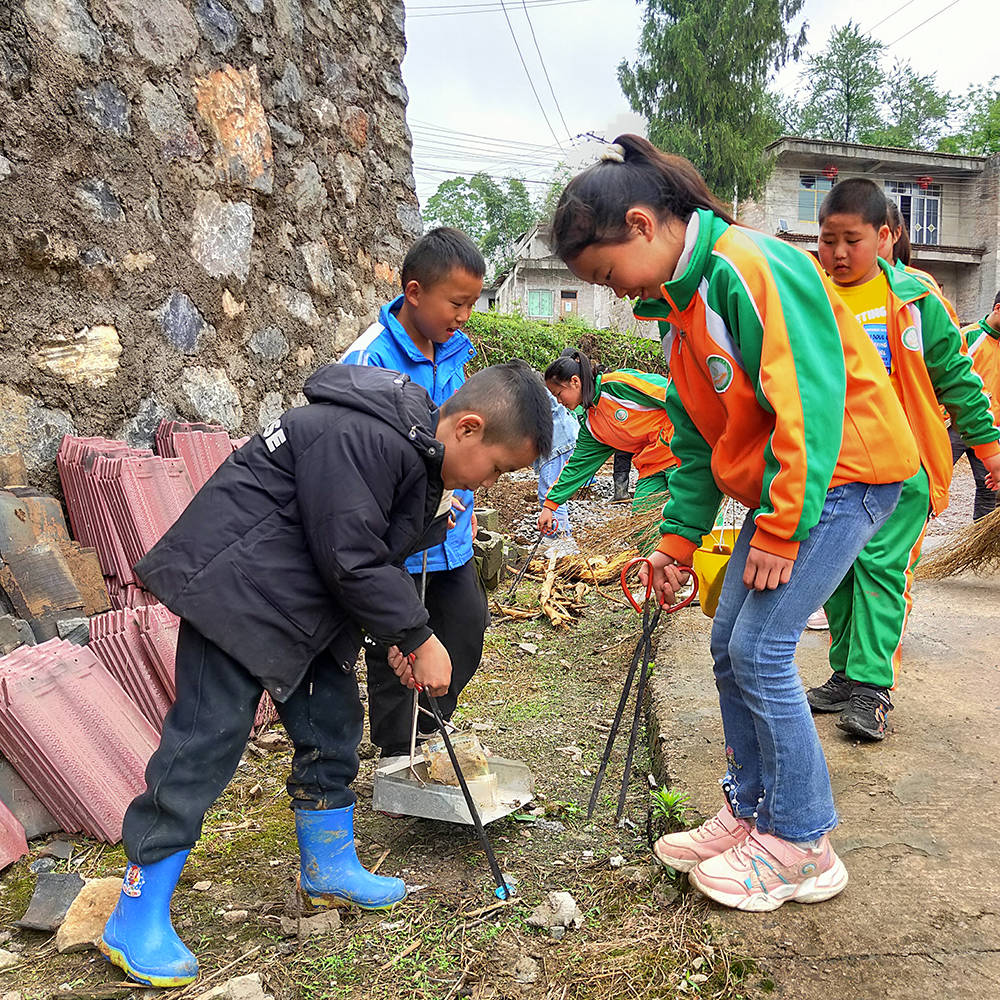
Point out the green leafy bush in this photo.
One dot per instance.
(502, 336)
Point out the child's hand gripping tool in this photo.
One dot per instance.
(643, 653)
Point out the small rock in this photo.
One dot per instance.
(528, 647)
(106, 107)
(559, 910)
(588, 855)
(526, 970)
(67, 23)
(43, 865)
(202, 886)
(235, 916)
(61, 849)
(307, 190)
(217, 25)
(288, 135)
(617, 861)
(269, 343)
(182, 323)
(240, 988)
(557, 932)
(53, 896)
(95, 196)
(319, 266)
(230, 306)
(550, 825)
(86, 918)
(13, 995)
(288, 89)
(8, 959)
(6, 168)
(321, 923)
(222, 234)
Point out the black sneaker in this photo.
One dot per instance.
(865, 716)
(833, 696)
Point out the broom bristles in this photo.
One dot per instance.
(975, 549)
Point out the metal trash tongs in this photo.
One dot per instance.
(524, 568)
(643, 653)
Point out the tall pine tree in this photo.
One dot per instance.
(701, 78)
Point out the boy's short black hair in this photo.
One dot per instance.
(512, 400)
(856, 196)
(996, 300)
(437, 253)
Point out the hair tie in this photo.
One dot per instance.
(613, 152)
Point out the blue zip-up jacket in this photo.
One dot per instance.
(385, 344)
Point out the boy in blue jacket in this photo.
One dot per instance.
(419, 334)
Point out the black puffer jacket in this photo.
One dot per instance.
(296, 544)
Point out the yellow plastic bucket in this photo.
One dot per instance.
(709, 564)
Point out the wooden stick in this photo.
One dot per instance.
(219, 972)
(408, 950)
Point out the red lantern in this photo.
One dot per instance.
(830, 172)
(925, 182)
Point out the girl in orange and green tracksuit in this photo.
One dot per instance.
(776, 396)
(621, 411)
(928, 368)
(982, 341)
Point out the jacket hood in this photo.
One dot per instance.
(386, 395)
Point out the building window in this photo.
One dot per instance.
(540, 305)
(920, 208)
(813, 188)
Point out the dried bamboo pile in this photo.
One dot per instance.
(561, 595)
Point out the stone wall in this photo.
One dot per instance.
(200, 202)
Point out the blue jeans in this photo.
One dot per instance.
(776, 771)
(548, 473)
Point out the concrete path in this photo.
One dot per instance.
(920, 813)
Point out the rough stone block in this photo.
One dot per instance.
(140, 431)
(297, 304)
(53, 896)
(351, 173)
(212, 397)
(488, 547)
(307, 190)
(14, 632)
(95, 196)
(89, 356)
(241, 988)
(320, 267)
(69, 25)
(289, 136)
(488, 518)
(35, 429)
(163, 33)
(182, 324)
(288, 19)
(217, 25)
(288, 88)
(168, 122)
(12, 470)
(89, 912)
(106, 107)
(222, 235)
(229, 102)
(6, 168)
(269, 343)
(271, 407)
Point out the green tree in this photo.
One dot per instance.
(979, 131)
(915, 112)
(494, 213)
(843, 87)
(700, 80)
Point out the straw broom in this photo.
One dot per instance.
(975, 549)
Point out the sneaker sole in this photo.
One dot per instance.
(678, 864)
(836, 706)
(811, 890)
(855, 730)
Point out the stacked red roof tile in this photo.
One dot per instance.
(202, 447)
(13, 844)
(74, 735)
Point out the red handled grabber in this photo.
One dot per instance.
(643, 654)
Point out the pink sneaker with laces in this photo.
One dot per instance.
(764, 871)
(682, 851)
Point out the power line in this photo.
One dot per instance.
(460, 173)
(527, 73)
(492, 7)
(922, 23)
(898, 10)
(492, 140)
(541, 59)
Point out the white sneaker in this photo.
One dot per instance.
(682, 851)
(817, 621)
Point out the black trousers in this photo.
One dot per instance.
(206, 731)
(621, 469)
(459, 615)
(986, 500)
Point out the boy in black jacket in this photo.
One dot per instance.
(292, 550)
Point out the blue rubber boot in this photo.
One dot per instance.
(139, 937)
(330, 871)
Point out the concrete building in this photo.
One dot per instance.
(951, 205)
(540, 286)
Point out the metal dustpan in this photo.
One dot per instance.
(506, 788)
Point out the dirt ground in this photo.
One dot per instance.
(919, 812)
(645, 935)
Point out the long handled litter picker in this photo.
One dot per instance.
(524, 568)
(643, 654)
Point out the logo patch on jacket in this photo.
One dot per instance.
(721, 372)
(911, 339)
(621, 413)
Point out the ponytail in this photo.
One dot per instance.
(574, 362)
(593, 206)
(901, 250)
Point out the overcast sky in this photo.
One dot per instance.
(472, 107)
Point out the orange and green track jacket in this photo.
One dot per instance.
(777, 393)
(924, 277)
(931, 368)
(628, 414)
(983, 344)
